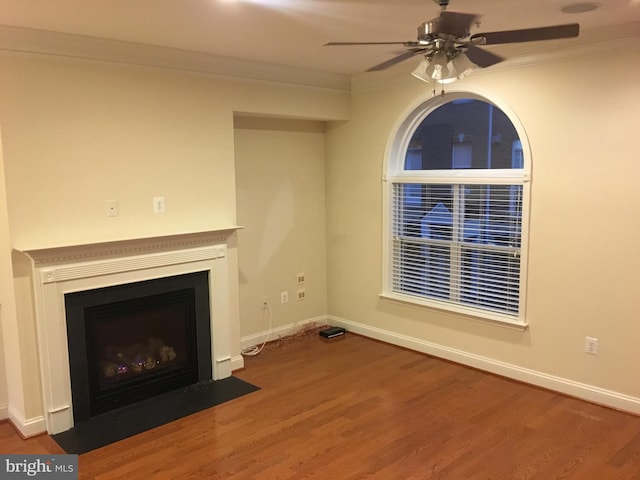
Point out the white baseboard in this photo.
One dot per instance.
(27, 427)
(237, 363)
(279, 332)
(562, 385)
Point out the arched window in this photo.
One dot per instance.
(457, 189)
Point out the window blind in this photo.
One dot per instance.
(458, 244)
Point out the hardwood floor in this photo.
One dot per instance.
(354, 408)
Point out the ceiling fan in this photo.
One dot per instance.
(449, 49)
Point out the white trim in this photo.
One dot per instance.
(123, 247)
(473, 313)
(237, 363)
(4, 411)
(480, 177)
(562, 385)
(27, 427)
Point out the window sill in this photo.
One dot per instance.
(492, 318)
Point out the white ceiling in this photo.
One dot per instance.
(292, 32)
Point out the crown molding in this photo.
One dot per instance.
(43, 42)
(594, 42)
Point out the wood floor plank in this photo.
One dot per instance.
(354, 408)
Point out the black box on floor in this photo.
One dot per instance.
(331, 332)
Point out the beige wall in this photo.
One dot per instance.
(280, 177)
(76, 134)
(584, 226)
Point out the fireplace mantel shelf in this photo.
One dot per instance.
(52, 254)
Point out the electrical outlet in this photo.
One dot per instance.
(591, 345)
(112, 208)
(284, 297)
(158, 205)
(302, 294)
(300, 278)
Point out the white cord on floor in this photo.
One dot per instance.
(255, 350)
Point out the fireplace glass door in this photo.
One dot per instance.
(140, 347)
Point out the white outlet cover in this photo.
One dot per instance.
(591, 345)
(158, 205)
(112, 208)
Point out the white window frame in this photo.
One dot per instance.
(393, 172)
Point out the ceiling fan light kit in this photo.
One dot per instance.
(450, 53)
(443, 70)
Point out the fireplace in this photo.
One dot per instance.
(105, 310)
(130, 342)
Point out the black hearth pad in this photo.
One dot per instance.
(125, 422)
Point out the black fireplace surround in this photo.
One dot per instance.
(130, 342)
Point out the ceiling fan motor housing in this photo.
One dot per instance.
(428, 30)
(437, 29)
(431, 30)
(443, 3)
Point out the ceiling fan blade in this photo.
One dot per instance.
(456, 23)
(396, 59)
(568, 30)
(406, 44)
(482, 58)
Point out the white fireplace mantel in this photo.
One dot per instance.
(60, 270)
